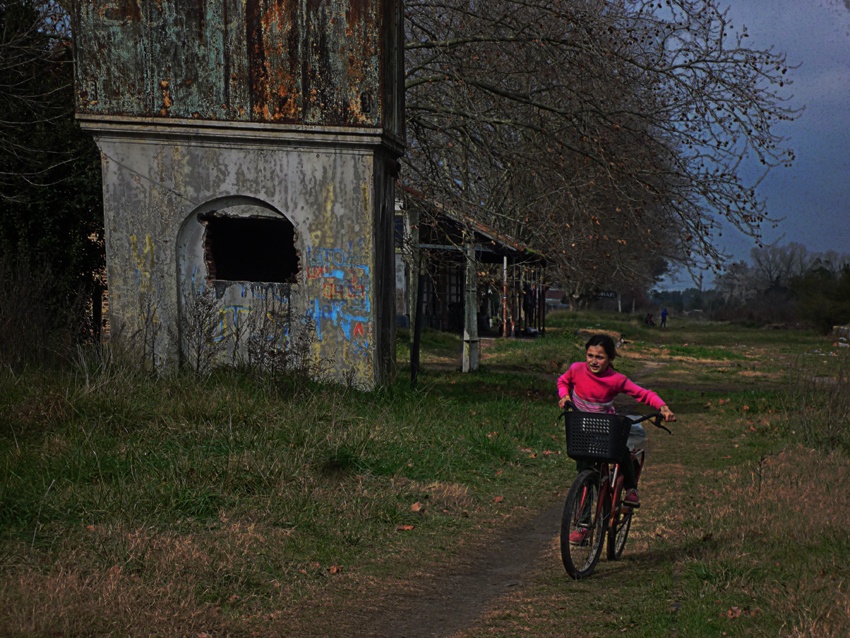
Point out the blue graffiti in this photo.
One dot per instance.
(337, 314)
(236, 312)
(360, 348)
(356, 256)
(341, 279)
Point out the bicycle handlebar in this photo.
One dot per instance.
(655, 416)
(656, 421)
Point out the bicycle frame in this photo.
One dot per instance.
(585, 531)
(611, 485)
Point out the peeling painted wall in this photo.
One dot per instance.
(158, 190)
(247, 110)
(329, 62)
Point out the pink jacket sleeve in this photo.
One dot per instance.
(642, 394)
(565, 383)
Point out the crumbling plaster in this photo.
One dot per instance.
(331, 185)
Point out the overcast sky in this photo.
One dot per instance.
(813, 196)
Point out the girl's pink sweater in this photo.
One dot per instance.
(602, 388)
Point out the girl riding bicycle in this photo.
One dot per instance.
(592, 384)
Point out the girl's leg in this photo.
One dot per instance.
(629, 471)
(627, 467)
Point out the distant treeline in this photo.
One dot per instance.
(780, 284)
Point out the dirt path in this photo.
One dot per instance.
(456, 597)
(507, 580)
(451, 599)
(442, 598)
(510, 582)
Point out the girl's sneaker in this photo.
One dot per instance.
(632, 498)
(579, 536)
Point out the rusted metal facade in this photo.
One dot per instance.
(302, 62)
(218, 121)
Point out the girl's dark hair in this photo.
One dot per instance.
(607, 344)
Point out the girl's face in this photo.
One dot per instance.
(597, 359)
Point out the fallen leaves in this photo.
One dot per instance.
(533, 455)
(315, 569)
(737, 612)
(719, 402)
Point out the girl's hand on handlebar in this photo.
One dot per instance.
(667, 413)
(563, 402)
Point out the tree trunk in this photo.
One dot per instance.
(471, 343)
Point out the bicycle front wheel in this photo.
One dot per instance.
(583, 526)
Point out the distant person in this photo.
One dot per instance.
(649, 320)
(664, 314)
(591, 386)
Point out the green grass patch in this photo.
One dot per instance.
(134, 504)
(702, 352)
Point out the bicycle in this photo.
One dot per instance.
(594, 512)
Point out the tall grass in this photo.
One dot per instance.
(170, 498)
(817, 405)
(135, 503)
(744, 570)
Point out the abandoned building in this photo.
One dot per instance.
(249, 151)
(508, 276)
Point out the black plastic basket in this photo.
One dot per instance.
(591, 435)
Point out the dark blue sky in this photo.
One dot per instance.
(813, 197)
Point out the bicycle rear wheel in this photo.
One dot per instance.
(583, 526)
(618, 532)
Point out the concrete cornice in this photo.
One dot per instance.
(227, 133)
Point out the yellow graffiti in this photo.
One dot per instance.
(367, 204)
(330, 197)
(328, 201)
(144, 261)
(230, 321)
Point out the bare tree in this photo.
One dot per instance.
(35, 93)
(774, 266)
(50, 189)
(737, 285)
(830, 261)
(608, 133)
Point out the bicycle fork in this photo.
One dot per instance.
(584, 515)
(586, 518)
(609, 489)
(616, 507)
